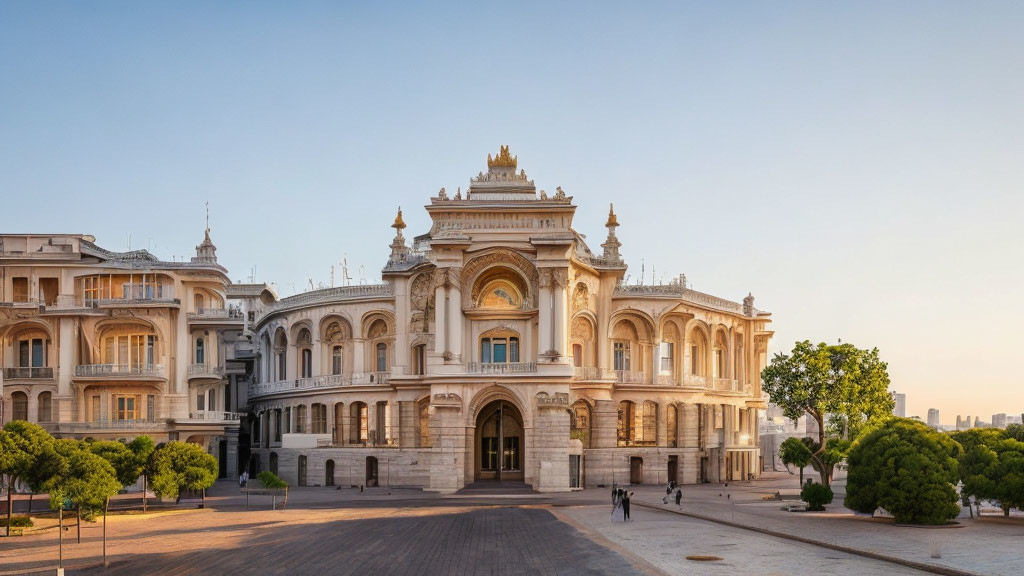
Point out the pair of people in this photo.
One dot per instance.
(678, 495)
(620, 504)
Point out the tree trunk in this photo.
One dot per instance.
(145, 490)
(10, 501)
(30, 496)
(801, 476)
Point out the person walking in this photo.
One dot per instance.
(617, 511)
(615, 496)
(668, 493)
(626, 495)
(679, 498)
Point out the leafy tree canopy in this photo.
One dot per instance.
(840, 380)
(79, 475)
(121, 457)
(1015, 431)
(907, 468)
(992, 468)
(21, 445)
(179, 465)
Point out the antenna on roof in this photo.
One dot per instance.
(310, 278)
(332, 275)
(207, 214)
(641, 281)
(362, 274)
(345, 278)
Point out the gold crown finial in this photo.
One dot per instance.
(612, 220)
(503, 159)
(399, 224)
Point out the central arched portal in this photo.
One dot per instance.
(499, 442)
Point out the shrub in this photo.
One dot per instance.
(906, 468)
(816, 495)
(17, 522)
(270, 480)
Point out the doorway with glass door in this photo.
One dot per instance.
(499, 442)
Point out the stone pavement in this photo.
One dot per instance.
(665, 540)
(381, 541)
(991, 545)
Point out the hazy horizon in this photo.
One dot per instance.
(856, 167)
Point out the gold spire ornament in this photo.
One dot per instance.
(399, 224)
(612, 220)
(503, 159)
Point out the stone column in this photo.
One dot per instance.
(560, 317)
(408, 418)
(604, 429)
(448, 455)
(662, 429)
(63, 404)
(544, 313)
(401, 354)
(440, 313)
(358, 356)
(371, 424)
(454, 324)
(689, 430)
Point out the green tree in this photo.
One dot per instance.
(968, 439)
(793, 451)
(22, 444)
(994, 470)
(120, 457)
(177, 466)
(1015, 431)
(907, 468)
(816, 495)
(84, 478)
(142, 447)
(840, 380)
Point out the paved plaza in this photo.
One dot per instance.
(406, 531)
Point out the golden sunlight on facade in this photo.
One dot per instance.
(499, 347)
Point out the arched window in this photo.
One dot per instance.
(646, 425)
(200, 351)
(382, 357)
(424, 422)
(199, 302)
(419, 359)
(336, 362)
(625, 423)
(20, 402)
(499, 347)
(319, 413)
(130, 346)
(300, 419)
(339, 430)
(45, 410)
(580, 424)
(307, 363)
(360, 423)
(281, 354)
(671, 419)
(380, 435)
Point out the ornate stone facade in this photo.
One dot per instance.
(500, 346)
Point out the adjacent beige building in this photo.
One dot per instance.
(111, 345)
(501, 347)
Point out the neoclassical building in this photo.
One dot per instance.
(501, 347)
(112, 345)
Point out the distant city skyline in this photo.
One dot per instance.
(856, 168)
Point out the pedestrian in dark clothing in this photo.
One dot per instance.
(679, 498)
(625, 504)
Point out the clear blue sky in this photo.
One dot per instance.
(858, 166)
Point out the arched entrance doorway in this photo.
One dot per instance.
(499, 442)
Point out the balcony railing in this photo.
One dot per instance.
(695, 381)
(217, 314)
(104, 425)
(29, 373)
(208, 370)
(125, 370)
(586, 373)
(214, 416)
(665, 380)
(501, 367)
(727, 385)
(332, 381)
(628, 377)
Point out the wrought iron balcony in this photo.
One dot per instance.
(29, 373)
(120, 371)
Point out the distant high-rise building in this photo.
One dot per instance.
(900, 409)
(999, 420)
(933, 417)
(977, 420)
(963, 423)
